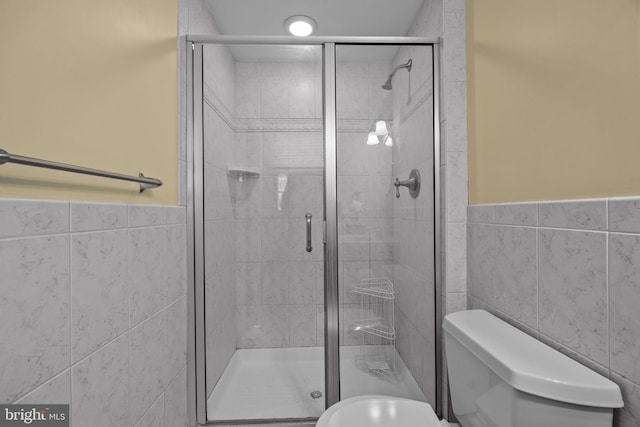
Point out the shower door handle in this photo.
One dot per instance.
(308, 218)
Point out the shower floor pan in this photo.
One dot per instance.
(279, 382)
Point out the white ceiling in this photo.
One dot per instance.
(334, 18)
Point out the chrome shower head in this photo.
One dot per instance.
(387, 85)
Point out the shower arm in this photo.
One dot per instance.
(407, 65)
(387, 85)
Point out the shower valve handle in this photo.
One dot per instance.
(413, 184)
(409, 183)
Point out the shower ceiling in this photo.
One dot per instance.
(334, 18)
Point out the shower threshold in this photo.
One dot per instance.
(278, 383)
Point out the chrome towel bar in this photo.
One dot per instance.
(145, 182)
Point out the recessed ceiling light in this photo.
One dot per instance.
(300, 25)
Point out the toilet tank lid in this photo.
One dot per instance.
(529, 365)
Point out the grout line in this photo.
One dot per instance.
(73, 233)
(587, 230)
(608, 300)
(580, 230)
(564, 346)
(624, 233)
(165, 354)
(624, 377)
(494, 261)
(505, 314)
(507, 225)
(145, 227)
(538, 280)
(129, 377)
(108, 230)
(128, 254)
(174, 377)
(129, 237)
(576, 201)
(119, 336)
(70, 312)
(135, 424)
(34, 236)
(39, 386)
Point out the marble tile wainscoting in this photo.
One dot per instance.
(93, 310)
(567, 273)
(413, 219)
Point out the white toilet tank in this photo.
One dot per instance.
(502, 377)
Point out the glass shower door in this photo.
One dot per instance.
(384, 97)
(277, 305)
(263, 208)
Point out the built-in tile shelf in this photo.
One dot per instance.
(242, 172)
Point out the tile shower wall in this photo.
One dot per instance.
(280, 286)
(278, 133)
(445, 19)
(220, 191)
(219, 152)
(365, 191)
(93, 310)
(567, 273)
(413, 219)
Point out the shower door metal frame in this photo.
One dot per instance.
(331, 303)
(196, 381)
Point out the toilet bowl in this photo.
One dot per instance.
(370, 411)
(498, 377)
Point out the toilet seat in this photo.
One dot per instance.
(373, 410)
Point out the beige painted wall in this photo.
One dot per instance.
(553, 99)
(93, 83)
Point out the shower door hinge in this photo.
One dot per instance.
(324, 232)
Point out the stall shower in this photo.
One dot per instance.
(290, 142)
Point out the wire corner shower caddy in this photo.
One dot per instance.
(376, 322)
